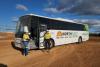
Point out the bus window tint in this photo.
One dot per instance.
(54, 24)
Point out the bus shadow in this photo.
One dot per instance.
(21, 49)
(3, 65)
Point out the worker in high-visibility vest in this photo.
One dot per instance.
(25, 43)
(47, 37)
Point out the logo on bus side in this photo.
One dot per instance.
(59, 34)
(66, 34)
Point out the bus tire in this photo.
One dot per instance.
(52, 43)
(79, 40)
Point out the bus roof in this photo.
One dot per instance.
(59, 19)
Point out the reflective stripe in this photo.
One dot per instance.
(25, 47)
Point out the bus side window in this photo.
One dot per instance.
(43, 27)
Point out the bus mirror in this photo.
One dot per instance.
(85, 27)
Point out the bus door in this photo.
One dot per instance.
(34, 37)
(42, 30)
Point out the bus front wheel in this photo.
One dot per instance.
(52, 43)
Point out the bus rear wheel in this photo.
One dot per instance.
(79, 40)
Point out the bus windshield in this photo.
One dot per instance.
(23, 21)
(17, 26)
(28, 21)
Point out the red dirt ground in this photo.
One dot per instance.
(86, 54)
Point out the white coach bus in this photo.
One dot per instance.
(62, 31)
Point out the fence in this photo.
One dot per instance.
(7, 28)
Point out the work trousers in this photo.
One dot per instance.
(47, 43)
(25, 49)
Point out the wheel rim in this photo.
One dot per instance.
(51, 43)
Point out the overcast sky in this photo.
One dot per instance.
(87, 11)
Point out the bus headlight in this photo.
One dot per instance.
(41, 45)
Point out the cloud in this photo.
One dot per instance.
(53, 10)
(56, 10)
(21, 7)
(90, 7)
(49, 2)
(82, 7)
(14, 19)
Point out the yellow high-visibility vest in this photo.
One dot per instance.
(47, 36)
(25, 37)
